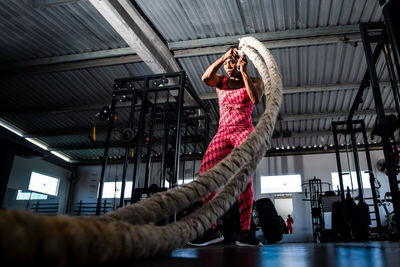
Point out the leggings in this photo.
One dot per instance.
(220, 146)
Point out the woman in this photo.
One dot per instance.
(289, 224)
(237, 94)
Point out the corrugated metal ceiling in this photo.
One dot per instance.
(29, 33)
(74, 28)
(179, 20)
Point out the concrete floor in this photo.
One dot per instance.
(373, 254)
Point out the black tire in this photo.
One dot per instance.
(269, 221)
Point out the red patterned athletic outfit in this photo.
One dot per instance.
(235, 125)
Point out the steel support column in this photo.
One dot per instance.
(140, 139)
(106, 150)
(7, 153)
(390, 157)
(371, 178)
(127, 150)
(179, 128)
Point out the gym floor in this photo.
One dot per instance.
(372, 254)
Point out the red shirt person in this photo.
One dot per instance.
(289, 223)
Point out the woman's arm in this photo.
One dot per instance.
(210, 76)
(253, 84)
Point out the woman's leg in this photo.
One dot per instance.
(246, 237)
(218, 149)
(245, 202)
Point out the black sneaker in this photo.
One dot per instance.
(211, 236)
(246, 239)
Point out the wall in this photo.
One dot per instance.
(86, 187)
(319, 165)
(20, 176)
(284, 206)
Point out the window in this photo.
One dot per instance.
(28, 195)
(347, 182)
(113, 189)
(281, 184)
(188, 180)
(43, 184)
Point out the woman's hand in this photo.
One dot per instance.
(231, 54)
(242, 64)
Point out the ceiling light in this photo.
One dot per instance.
(61, 156)
(10, 128)
(37, 143)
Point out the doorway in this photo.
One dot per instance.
(284, 205)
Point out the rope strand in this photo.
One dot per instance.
(129, 233)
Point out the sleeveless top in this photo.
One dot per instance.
(235, 106)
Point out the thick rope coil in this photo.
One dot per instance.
(129, 233)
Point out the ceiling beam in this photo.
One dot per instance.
(137, 33)
(76, 65)
(305, 134)
(308, 89)
(269, 36)
(84, 146)
(101, 145)
(282, 117)
(324, 115)
(69, 109)
(199, 47)
(286, 43)
(90, 58)
(50, 3)
(316, 150)
(209, 96)
(269, 153)
(127, 21)
(56, 133)
(321, 115)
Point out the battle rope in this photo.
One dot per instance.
(129, 232)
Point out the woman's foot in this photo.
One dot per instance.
(211, 236)
(246, 238)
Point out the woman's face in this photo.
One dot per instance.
(230, 67)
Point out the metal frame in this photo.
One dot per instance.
(193, 155)
(351, 128)
(382, 35)
(132, 88)
(315, 190)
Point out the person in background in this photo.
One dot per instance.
(289, 224)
